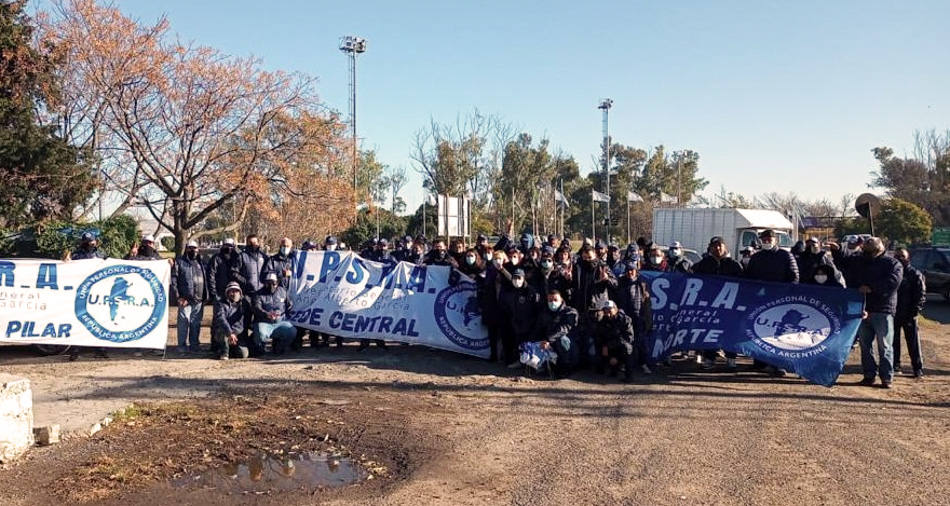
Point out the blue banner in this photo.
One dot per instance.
(802, 328)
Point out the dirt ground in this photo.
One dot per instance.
(440, 428)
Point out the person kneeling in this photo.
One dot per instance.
(615, 340)
(229, 331)
(271, 306)
(555, 330)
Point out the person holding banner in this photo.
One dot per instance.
(496, 282)
(231, 314)
(717, 262)
(88, 248)
(271, 306)
(145, 250)
(678, 262)
(633, 298)
(775, 265)
(439, 255)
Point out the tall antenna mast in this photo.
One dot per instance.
(353, 46)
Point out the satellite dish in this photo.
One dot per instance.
(867, 205)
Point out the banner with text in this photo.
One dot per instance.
(802, 328)
(343, 294)
(109, 303)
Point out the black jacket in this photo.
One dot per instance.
(632, 297)
(681, 265)
(911, 295)
(277, 264)
(615, 332)
(220, 272)
(84, 254)
(265, 302)
(552, 325)
(521, 306)
(883, 275)
(777, 266)
(808, 262)
(725, 266)
(588, 285)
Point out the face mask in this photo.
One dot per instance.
(331, 247)
(253, 247)
(813, 248)
(271, 287)
(554, 306)
(744, 261)
(284, 250)
(868, 253)
(226, 252)
(517, 282)
(904, 261)
(675, 252)
(768, 246)
(821, 278)
(497, 263)
(657, 260)
(632, 275)
(470, 260)
(234, 297)
(191, 255)
(515, 260)
(439, 253)
(598, 316)
(546, 264)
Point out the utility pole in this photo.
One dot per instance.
(353, 46)
(605, 106)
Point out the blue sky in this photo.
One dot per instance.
(774, 95)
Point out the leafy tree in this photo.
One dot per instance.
(414, 225)
(391, 226)
(903, 222)
(44, 177)
(923, 179)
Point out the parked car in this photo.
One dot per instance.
(934, 263)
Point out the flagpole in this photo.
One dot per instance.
(562, 210)
(593, 227)
(628, 218)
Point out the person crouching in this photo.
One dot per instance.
(271, 306)
(615, 340)
(231, 314)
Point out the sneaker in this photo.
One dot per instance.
(181, 350)
(897, 370)
(918, 373)
(645, 369)
(363, 345)
(514, 365)
(699, 358)
(866, 382)
(244, 351)
(707, 364)
(223, 357)
(731, 363)
(886, 384)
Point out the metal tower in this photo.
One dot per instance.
(353, 46)
(605, 105)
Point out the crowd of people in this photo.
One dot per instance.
(584, 308)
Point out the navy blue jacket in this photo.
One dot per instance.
(220, 272)
(629, 296)
(190, 279)
(84, 254)
(911, 295)
(247, 270)
(277, 264)
(883, 275)
(725, 266)
(265, 302)
(552, 325)
(229, 317)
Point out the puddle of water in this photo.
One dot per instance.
(265, 472)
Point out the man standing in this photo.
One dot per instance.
(718, 263)
(231, 314)
(633, 298)
(145, 250)
(88, 248)
(281, 263)
(878, 277)
(191, 285)
(271, 306)
(249, 265)
(678, 262)
(911, 296)
(774, 265)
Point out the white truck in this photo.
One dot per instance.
(693, 227)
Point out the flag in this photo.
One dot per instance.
(559, 197)
(667, 199)
(633, 197)
(430, 200)
(599, 197)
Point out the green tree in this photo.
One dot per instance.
(44, 177)
(390, 226)
(923, 179)
(903, 223)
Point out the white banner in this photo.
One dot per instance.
(342, 294)
(453, 216)
(109, 303)
(596, 196)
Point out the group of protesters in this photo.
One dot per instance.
(585, 308)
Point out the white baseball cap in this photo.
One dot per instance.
(229, 241)
(148, 238)
(191, 244)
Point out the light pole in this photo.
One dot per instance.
(353, 46)
(605, 105)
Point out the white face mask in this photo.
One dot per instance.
(517, 282)
(515, 260)
(675, 252)
(821, 278)
(470, 260)
(768, 246)
(285, 250)
(331, 247)
(657, 260)
(554, 306)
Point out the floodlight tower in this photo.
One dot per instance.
(605, 105)
(353, 46)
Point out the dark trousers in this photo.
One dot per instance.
(711, 354)
(908, 326)
(626, 355)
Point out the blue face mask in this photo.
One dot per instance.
(554, 306)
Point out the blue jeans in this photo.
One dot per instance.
(189, 325)
(879, 328)
(281, 334)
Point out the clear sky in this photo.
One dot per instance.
(774, 95)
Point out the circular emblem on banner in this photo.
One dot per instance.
(121, 303)
(459, 317)
(792, 326)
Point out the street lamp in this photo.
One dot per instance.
(605, 106)
(353, 46)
